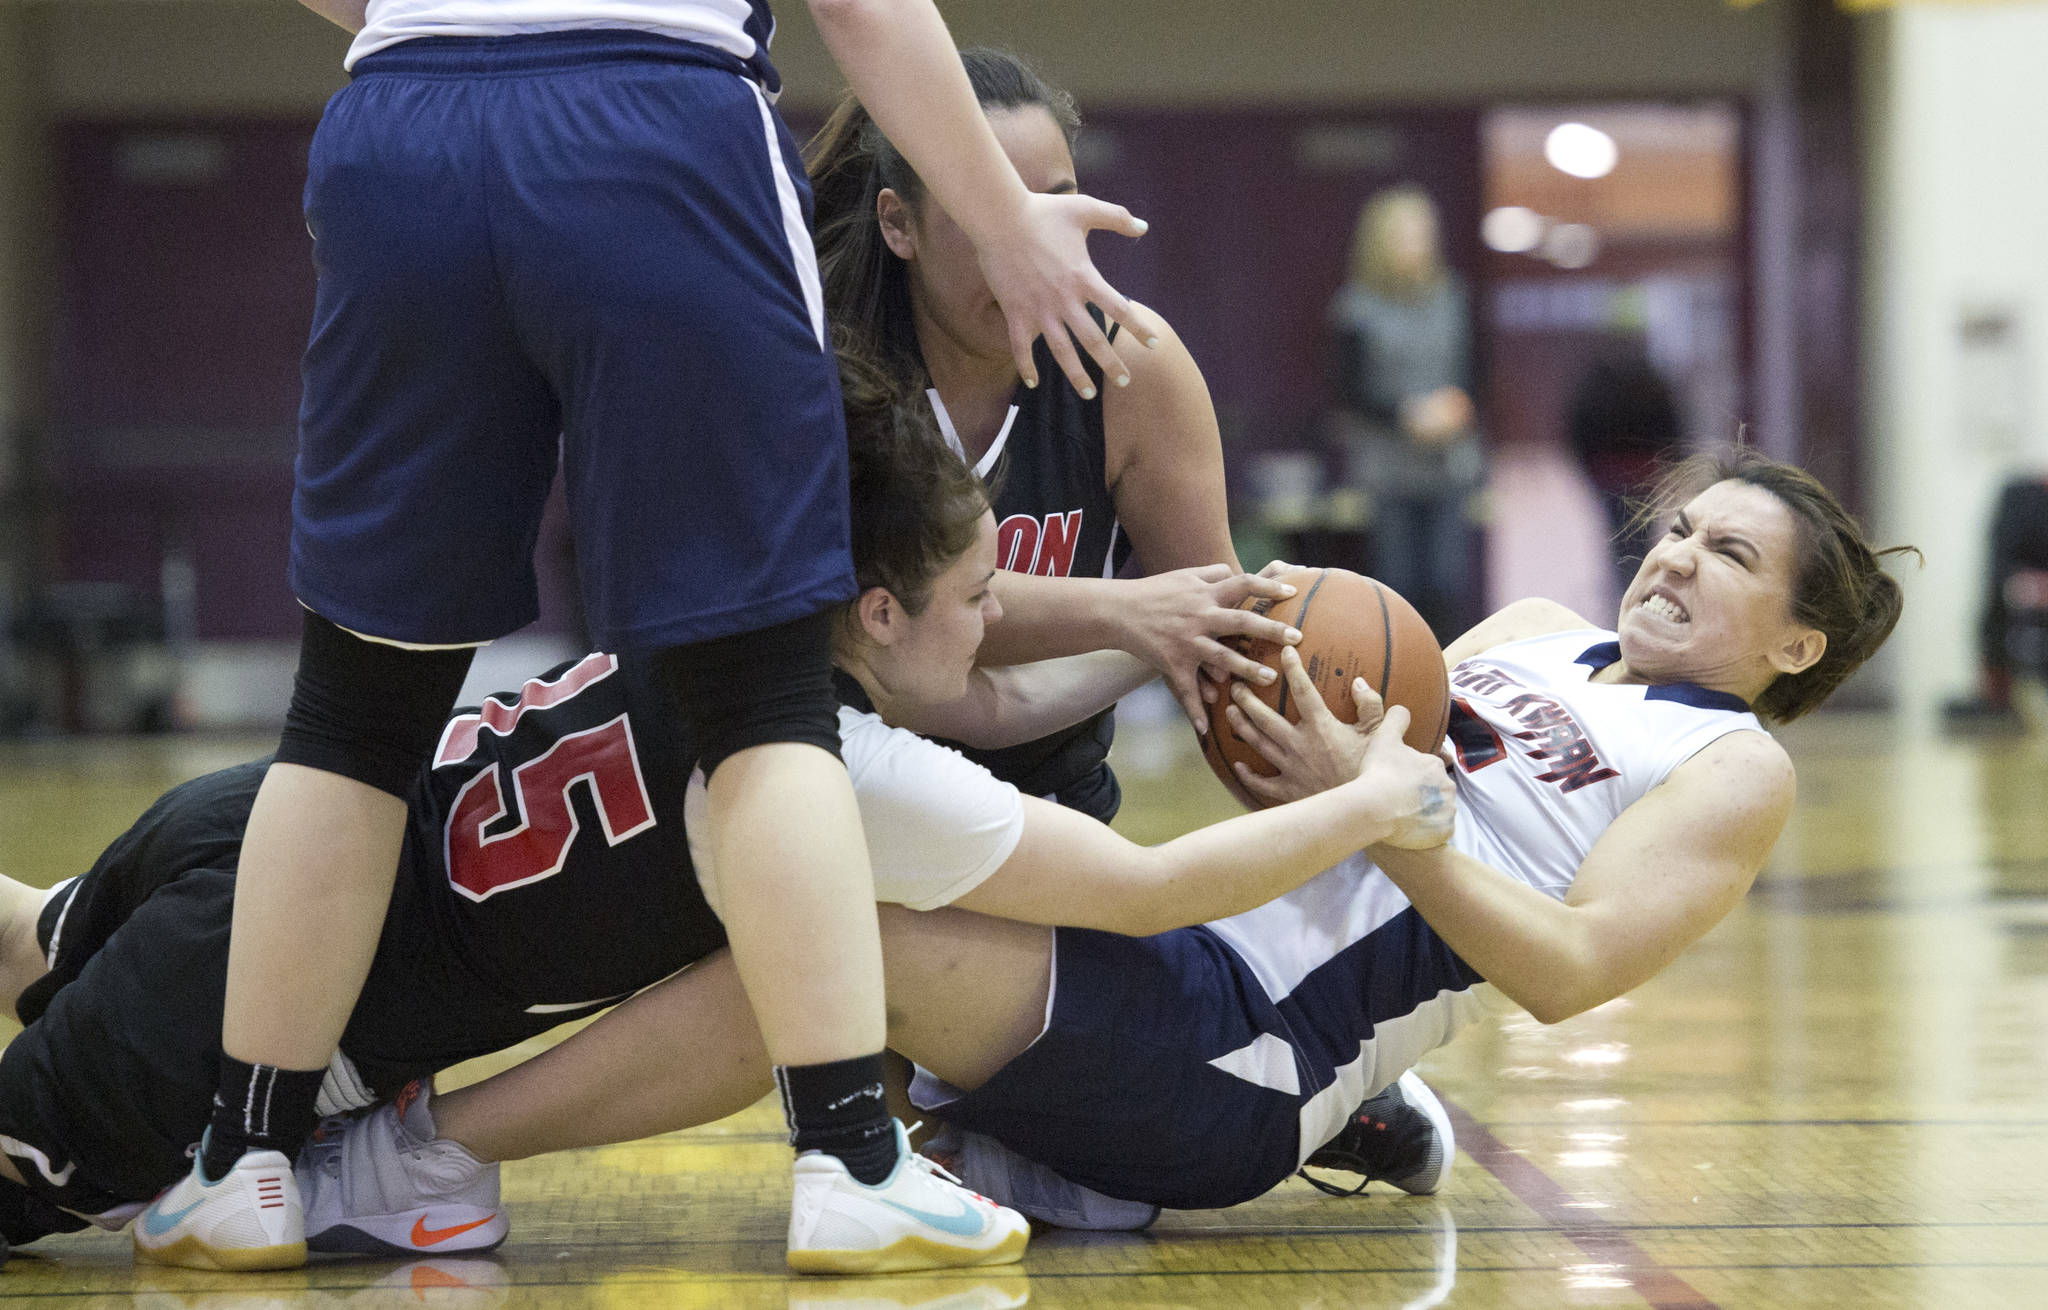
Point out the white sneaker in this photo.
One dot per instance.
(248, 1219)
(919, 1217)
(381, 1183)
(1040, 1193)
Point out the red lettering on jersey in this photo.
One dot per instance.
(1481, 678)
(459, 738)
(481, 865)
(1560, 739)
(1062, 533)
(1576, 767)
(1017, 543)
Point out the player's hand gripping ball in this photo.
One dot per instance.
(1351, 627)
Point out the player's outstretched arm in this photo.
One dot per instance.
(1177, 622)
(1666, 871)
(1033, 249)
(1017, 703)
(1074, 871)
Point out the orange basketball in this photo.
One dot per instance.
(1351, 627)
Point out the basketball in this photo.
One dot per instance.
(1351, 626)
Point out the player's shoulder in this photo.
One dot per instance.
(1165, 382)
(1746, 756)
(1520, 621)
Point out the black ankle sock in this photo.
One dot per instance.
(259, 1107)
(840, 1108)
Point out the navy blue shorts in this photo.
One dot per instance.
(1116, 1094)
(601, 237)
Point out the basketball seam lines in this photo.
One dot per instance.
(1386, 638)
(1301, 621)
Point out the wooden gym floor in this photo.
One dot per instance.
(1835, 1100)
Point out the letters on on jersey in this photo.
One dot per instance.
(1027, 544)
(493, 842)
(1549, 732)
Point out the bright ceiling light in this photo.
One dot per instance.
(1580, 150)
(1512, 229)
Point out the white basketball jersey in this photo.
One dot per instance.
(1547, 759)
(738, 27)
(1360, 987)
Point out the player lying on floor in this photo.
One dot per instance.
(1617, 795)
(546, 870)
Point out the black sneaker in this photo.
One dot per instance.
(1401, 1137)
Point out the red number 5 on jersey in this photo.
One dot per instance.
(481, 865)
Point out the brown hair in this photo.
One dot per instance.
(1839, 585)
(867, 293)
(917, 506)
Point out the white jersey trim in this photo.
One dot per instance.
(952, 435)
(720, 24)
(802, 254)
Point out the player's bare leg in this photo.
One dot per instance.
(320, 849)
(319, 855)
(798, 901)
(617, 1080)
(798, 904)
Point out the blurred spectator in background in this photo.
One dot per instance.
(1404, 368)
(1623, 420)
(2012, 628)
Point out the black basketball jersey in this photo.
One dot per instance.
(541, 810)
(1048, 470)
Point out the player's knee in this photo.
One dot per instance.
(756, 688)
(365, 710)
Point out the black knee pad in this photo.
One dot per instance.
(754, 688)
(368, 711)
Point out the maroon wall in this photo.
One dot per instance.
(186, 286)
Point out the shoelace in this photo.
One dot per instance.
(922, 1161)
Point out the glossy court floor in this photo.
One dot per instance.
(1835, 1100)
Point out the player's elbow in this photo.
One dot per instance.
(1549, 1010)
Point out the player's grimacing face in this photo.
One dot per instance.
(945, 277)
(936, 652)
(1712, 602)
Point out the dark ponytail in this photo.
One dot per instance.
(867, 294)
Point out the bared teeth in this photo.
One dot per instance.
(1664, 607)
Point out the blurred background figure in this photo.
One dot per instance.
(1623, 419)
(2012, 627)
(1407, 422)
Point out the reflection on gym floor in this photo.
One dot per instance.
(1835, 1099)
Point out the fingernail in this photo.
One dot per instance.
(1143, 226)
(1123, 379)
(1031, 382)
(1294, 634)
(1267, 675)
(1088, 393)
(1151, 343)
(1287, 589)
